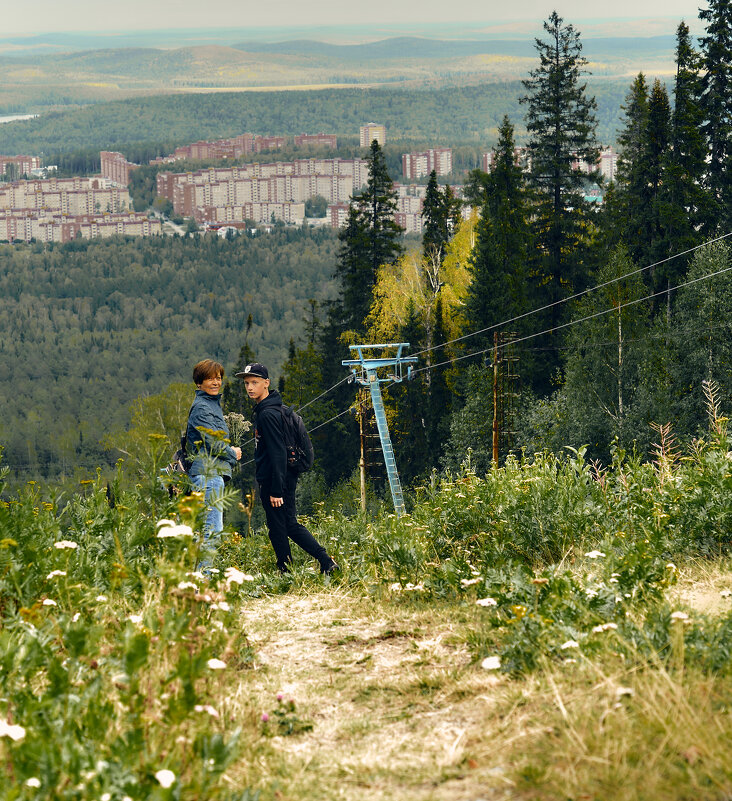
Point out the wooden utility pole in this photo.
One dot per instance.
(495, 397)
(362, 461)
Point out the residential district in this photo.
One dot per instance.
(46, 208)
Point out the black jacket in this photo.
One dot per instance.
(270, 455)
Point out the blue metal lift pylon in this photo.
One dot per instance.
(365, 371)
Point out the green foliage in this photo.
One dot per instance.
(87, 327)
(562, 127)
(106, 646)
(451, 114)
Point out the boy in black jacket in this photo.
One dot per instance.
(276, 483)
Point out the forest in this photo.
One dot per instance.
(90, 326)
(441, 116)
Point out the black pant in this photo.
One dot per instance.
(283, 527)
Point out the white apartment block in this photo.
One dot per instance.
(419, 165)
(337, 180)
(369, 132)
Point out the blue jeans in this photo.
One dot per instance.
(212, 487)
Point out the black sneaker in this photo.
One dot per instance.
(330, 568)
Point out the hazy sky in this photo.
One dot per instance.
(42, 16)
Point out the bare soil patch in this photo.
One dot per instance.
(393, 697)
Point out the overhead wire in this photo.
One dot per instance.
(553, 329)
(577, 295)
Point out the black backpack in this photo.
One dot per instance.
(299, 449)
(180, 463)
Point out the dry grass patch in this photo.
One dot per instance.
(390, 690)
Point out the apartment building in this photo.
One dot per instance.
(79, 195)
(371, 131)
(19, 165)
(419, 165)
(317, 140)
(26, 224)
(115, 167)
(277, 182)
(521, 158)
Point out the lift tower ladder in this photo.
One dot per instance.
(365, 371)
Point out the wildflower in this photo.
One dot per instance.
(395, 587)
(105, 797)
(14, 732)
(682, 616)
(196, 574)
(591, 593)
(620, 692)
(75, 618)
(604, 627)
(137, 619)
(187, 585)
(217, 624)
(166, 778)
(33, 782)
(167, 528)
(206, 708)
(569, 644)
(671, 566)
(491, 663)
(415, 587)
(280, 696)
(49, 602)
(470, 582)
(61, 544)
(216, 664)
(613, 581)
(265, 717)
(55, 573)
(487, 602)
(235, 576)
(594, 554)
(222, 605)
(569, 662)
(101, 598)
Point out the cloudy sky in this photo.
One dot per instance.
(42, 16)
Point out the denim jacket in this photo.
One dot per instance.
(207, 453)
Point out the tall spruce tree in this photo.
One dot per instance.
(434, 229)
(561, 124)
(655, 157)
(716, 101)
(626, 204)
(370, 238)
(501, 286)
(683, 199)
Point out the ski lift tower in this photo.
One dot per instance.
(365, 370)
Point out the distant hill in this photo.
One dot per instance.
(446, 115)
(39, 79)
(406, 47)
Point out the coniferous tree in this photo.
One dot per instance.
(354, 269)
(684, 202)
(716, 101)
(434, 229)
(655, 157)
(369, 239)
(627, 202)
(561, 124)
(411, 418)
(501, 286)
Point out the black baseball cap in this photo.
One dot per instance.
(256, 369)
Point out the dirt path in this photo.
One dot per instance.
(395, 704)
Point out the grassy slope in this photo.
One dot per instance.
(401, 713)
